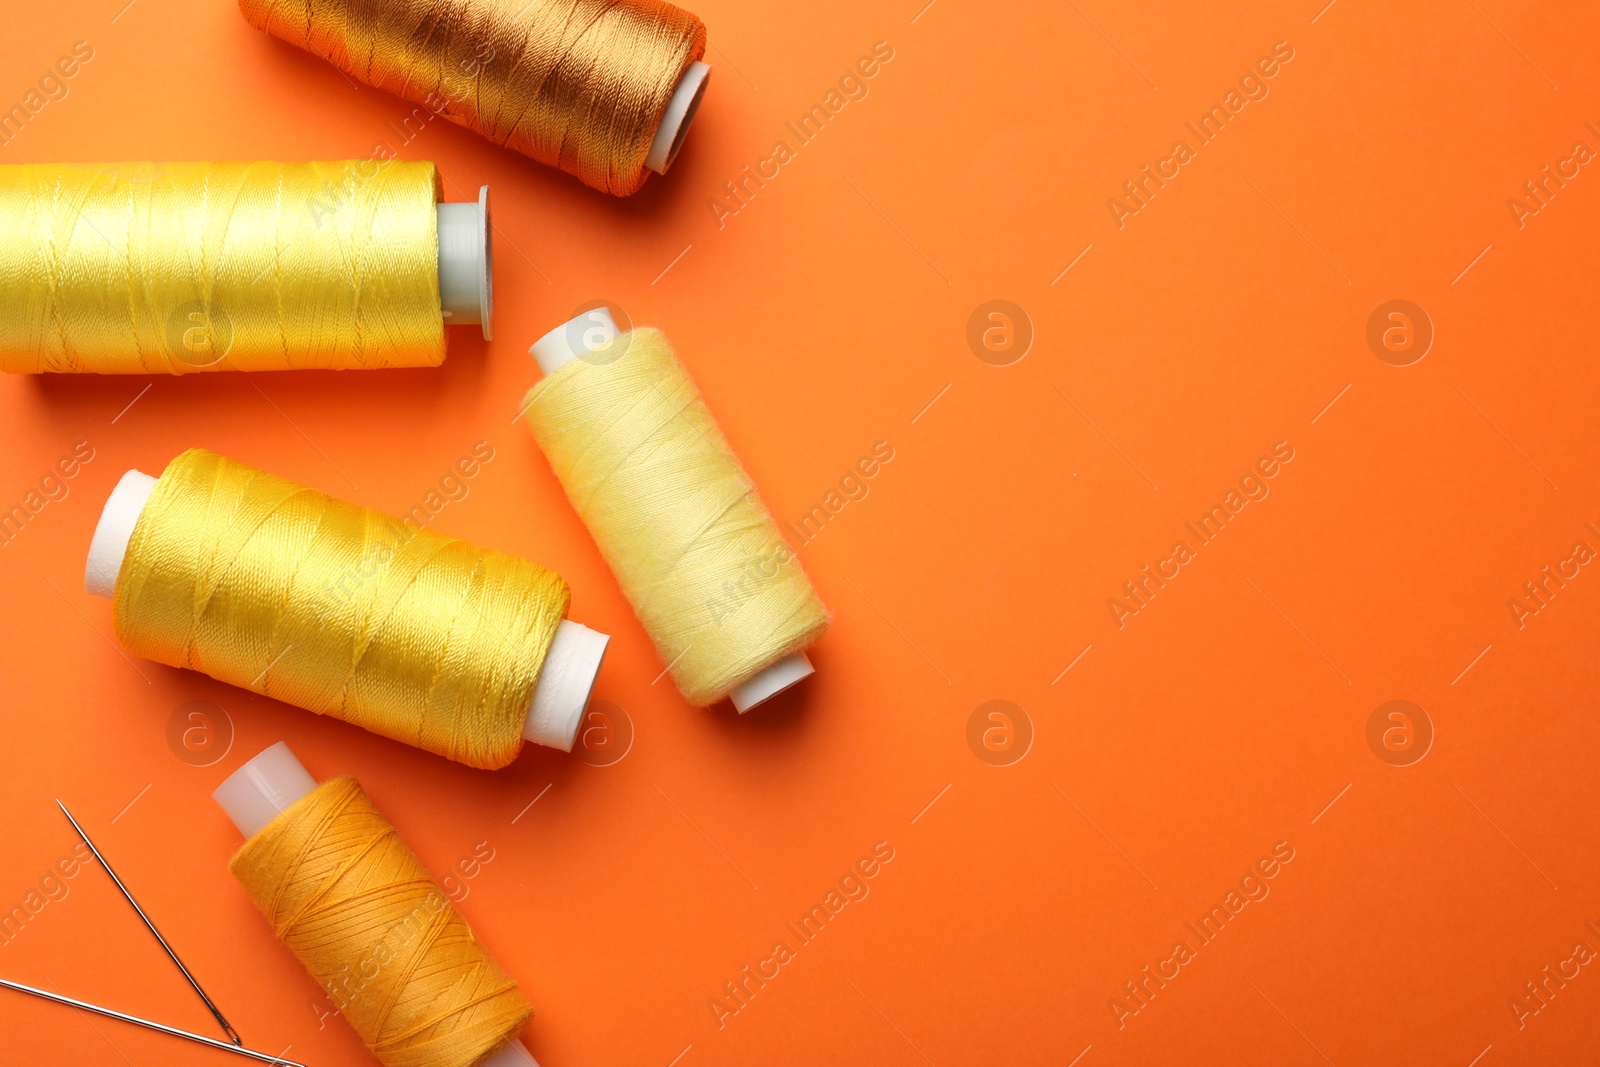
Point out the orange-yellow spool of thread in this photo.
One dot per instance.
(603, 89)
(356, 907)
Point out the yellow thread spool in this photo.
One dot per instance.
(603, 89)
(173, 268)
(342, 610)
(694, 548)
(356, 907)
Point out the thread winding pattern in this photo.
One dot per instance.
(173, 268)
(576, 84)
(337, 608)
(691, 543)
(358, 910)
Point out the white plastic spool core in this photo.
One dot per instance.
(769, 682)
(256, 793)
(111, 534)
(565, 681)
(584, 333)
(676, 119)
(263, 788)
(513, 1055)
(466, 260)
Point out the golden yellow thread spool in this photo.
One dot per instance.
(173, 268)
(694, 548)
(603, 89)
(283, 590)
(353, 903)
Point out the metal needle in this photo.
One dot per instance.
(237, 1050)
(233, 1035)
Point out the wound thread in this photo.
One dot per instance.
(577, 84)
(337, 608)
(692, 545)
(358, 910)
(171, 268)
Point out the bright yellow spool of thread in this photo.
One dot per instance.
(171, 268)
(576, 84)
(358, 910)
(337, 608)
(694, 548)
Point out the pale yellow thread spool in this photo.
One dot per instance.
(283, 590)
(694, 548)
(358, 910)
(172, 268)
(603, 89)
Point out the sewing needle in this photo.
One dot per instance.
(237, 1050)
(226, 1027)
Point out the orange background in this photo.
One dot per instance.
(1228, 715)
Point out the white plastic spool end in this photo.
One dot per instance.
(770, 682)
(111, 534)
(512, 1055)
(258, 792)
(583, 333)
(679, 115)
(466, 264)
(565, 682)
